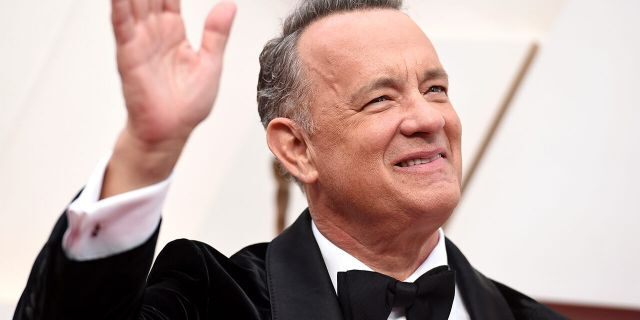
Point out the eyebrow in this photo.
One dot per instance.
(435, 74)
(390, 82)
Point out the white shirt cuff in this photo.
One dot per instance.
(101, 228)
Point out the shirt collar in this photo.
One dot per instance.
(338, 260)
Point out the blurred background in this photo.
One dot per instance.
(553, 208)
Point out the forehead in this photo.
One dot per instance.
(345, 49)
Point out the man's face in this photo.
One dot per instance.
(386, 144)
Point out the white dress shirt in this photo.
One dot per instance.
(338, 260)
(100, 228)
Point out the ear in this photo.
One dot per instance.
(287, 141)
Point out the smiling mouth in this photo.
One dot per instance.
(418, 161)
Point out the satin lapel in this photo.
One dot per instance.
(299, 284)
(481, 297)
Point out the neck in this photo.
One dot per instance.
(395, 249)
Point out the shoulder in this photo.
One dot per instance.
(490, 299)
(200, 257)
(198, 271)
(524, 307)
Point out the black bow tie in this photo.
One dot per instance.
(366, 295)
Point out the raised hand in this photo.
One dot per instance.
(168, 87)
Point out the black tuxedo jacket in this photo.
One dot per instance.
(285, 279)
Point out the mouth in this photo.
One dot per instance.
(419, 159)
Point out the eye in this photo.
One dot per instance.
(436, 90)
(378, 100)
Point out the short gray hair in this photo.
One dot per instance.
(283, 91)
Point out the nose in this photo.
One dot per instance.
(421, 117)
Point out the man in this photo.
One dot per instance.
(354, 101)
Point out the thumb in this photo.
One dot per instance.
(216, 29)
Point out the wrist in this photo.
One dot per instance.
(135, 164)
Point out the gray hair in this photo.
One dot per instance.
(283, 91)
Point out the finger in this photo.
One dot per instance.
(140, 9)
(155, 6)
(171, 6)
(122, 20)
(216, 29)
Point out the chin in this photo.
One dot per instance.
(437, 205)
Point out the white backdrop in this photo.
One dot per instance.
(555, 207)
(557, 182)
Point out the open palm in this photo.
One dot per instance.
(168, 87)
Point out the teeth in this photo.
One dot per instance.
(413, 162)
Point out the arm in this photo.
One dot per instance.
(168, 90)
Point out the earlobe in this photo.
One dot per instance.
(288, 142)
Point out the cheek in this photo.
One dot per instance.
(372, 138)
(367, 136)
(351, 145)
(355, 157)
(453, 130)
(374, 134)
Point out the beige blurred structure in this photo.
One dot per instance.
(552, 209)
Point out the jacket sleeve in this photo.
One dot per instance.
(121, 287)
(107, 288)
